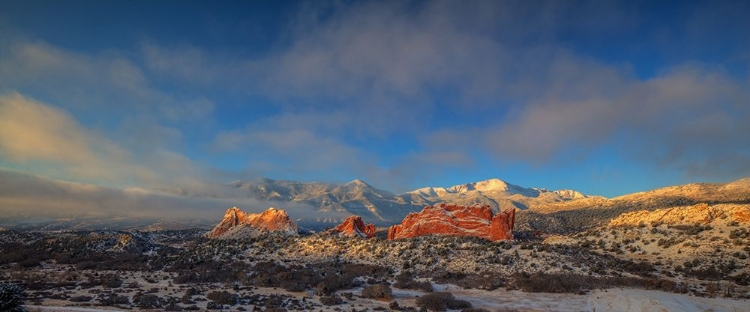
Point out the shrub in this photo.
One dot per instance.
(709, 273)
(325, 289)
(11, 297)
(332, 283)
(741, 279)
(173, 306)
(273, 301)
(292, 286)
(692, 229)
(439, 301)
(470, 281)
(110, 300)
(638, 268)
(406, 280)
(81, 299)
(379, 291)
(553, 283)
(425, 286)
(365, 270)
(214, 306)
(187, 297)
(147, 301)
(222, 297)
(660, 284)
(331, 300)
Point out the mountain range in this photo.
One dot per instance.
(539, 209)
(353, 198)
(31, 202)
(496, 193)
(384, 208)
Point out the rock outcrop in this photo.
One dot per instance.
(270, 220)
(456, 220)
(354, 226)
(701, 213)
(132, 242)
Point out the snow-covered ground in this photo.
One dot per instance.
(611, 300)
(37, 308)
(648, 300)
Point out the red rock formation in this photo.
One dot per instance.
(270, 220)
(455, 220)
(354, 226)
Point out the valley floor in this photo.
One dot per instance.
(649, 267)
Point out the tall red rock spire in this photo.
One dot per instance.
(354, 226)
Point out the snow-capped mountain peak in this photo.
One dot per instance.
(482, 186)
(358, 184)
(495, 193)
(429, 191)
(570, 194)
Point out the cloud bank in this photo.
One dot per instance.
(33, 197)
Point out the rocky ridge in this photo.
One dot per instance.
(454, 220)
(581, 214)
(271, 220)
(696, 214)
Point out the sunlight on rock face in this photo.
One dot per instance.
(456, 220)
(270, 220)
(354, 226)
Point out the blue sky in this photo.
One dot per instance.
(604, 97)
